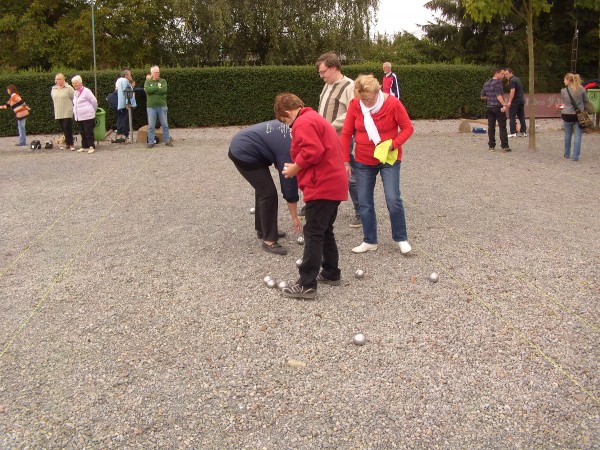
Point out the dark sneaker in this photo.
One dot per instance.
(280, 234)
(298, 291)
(169, 144)
(302, 211)
(355, 223)
(275, 247)
(506, 149)
(492, 149)
(150, 146)
(322, 279)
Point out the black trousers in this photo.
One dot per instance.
(86, 129)
(495, 115)
(265, 200)
(517, 111)
(320, 248)
(66, 126)
(123, 122)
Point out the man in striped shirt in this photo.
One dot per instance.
(333, 105)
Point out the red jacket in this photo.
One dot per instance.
(391, 116)
(317, 149)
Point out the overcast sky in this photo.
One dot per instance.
(398, 15)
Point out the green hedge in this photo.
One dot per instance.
(218, 96)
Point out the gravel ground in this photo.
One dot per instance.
(134, 314)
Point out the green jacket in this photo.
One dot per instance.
(156, 93)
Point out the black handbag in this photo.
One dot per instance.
(583, 118)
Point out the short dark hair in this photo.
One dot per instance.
(12, 88)
(330, 59)
(508, 69)
(286, 102)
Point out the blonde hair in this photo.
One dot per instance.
(366, 84)
(574, 80)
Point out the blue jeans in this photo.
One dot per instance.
(366, 176)
(161, 113)
(352, 186)
(21, 128)
(569, 127)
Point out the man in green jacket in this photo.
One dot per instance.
(156, 105)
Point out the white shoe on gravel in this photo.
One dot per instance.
(404, 247)
(364, 247)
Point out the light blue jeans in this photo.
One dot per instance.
(21, 128)
(366, 176)
(569, 127)
(161, 113)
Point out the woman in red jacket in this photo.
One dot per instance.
(318, 163)
(377, 119)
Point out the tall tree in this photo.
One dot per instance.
(485, 10)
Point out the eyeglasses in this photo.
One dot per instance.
(322, 72)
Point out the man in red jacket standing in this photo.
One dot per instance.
(390, 84)
(318, 163)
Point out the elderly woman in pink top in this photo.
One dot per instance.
(84, 113)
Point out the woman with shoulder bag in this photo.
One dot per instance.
(574, 98)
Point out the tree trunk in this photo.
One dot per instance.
(531, 77)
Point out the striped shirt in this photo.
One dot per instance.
(334, 101)
(492, 89)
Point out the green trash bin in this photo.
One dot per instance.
(100, 125)
(594, 97)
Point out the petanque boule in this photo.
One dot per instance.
(300, 240)
(267, 279)
(252, 210)
(282, 284)
(271, 284)
(434, 277)
(359, 339)
(298, 262)
(359, 273)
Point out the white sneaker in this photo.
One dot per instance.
(364, 247)
(404, 247)
(91, 150)
(81, 150)
(512, 135)
(522, 134)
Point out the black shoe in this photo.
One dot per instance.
(506, 149)
(302, 211)
(280, 234)
(299, 291)
(150, 146)
(322, 279)
(492, 149)
(275, 248)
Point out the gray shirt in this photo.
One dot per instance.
(579, 97)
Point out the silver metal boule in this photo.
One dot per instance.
(282, 284)
(271, 284)
(359, 273)
(298, 262)
(359, 339)
(434, 277)
(252, 210)
(267, 279)
(300, 240)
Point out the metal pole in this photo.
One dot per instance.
(130, 123)
(94, 50)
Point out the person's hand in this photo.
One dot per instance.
(297, 225)
(348, 170)
(290, 170)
